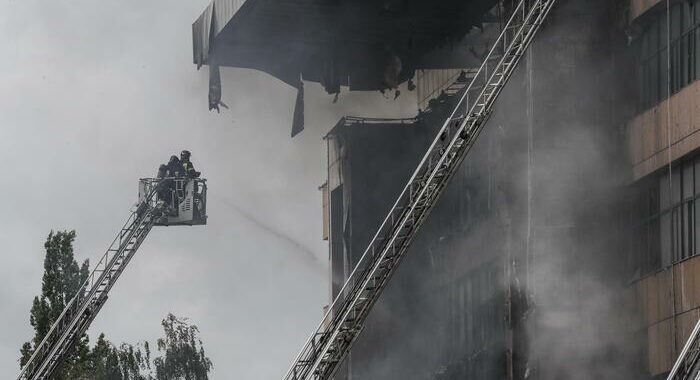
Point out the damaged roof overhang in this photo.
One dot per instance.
(335, 42)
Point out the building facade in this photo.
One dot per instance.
(522, 270)
(565, 247)
(662, 143)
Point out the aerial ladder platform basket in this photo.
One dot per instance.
(162, 202)
(329, 344)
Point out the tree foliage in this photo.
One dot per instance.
(181, 356)
(61, 281)
(125, 362)
(181, 353)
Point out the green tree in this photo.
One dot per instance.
(61, 280)
(125, 362)
(182, 356)
(181, 349)
(183, 353)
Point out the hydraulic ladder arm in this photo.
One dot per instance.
(328, 345)
(92, 294)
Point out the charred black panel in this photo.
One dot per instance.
(344, 42)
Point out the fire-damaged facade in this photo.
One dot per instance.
(361, 45)
(505, 279)
(565, 246)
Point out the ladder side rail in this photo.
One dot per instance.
(58, 358)
(71, 304)
(80, 295)
(434, 144)
(357, 329)
(377, 289)
(693, 340)
(330, 370)
(404, 246)
(367, 307)
(422, 192)
(146, 229)
(354, 330)
(331, 367)
(76, 329)
(410, 182)
(431, 165)
(103, 279)
(293, 371)
(489, 98)
(85, 319)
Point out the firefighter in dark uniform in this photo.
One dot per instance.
(187, 165)
(191, 174)
(174, 170)
(164, 192)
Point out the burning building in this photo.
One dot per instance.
(564, 247)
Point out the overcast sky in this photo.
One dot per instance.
(93, 96)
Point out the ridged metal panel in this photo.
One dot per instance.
(220, 12)
(224, 10)
(200, 37)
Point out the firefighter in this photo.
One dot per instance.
(191, 174)
(174, 168)
(162, 171)
(164, 193)
(187, 165)
(174, 185)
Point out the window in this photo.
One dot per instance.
(664, 215)
(652, 47)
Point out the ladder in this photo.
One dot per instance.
(92, 294)
(328, 345)
(687, 366)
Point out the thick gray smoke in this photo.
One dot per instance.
(522, 261)
(86, 114)
(580, 324)
(95, 96)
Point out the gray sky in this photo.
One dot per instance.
(93, 96)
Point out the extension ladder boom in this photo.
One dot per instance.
(92, 294)
(84, 306)
(687, 366)
(331, 341)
